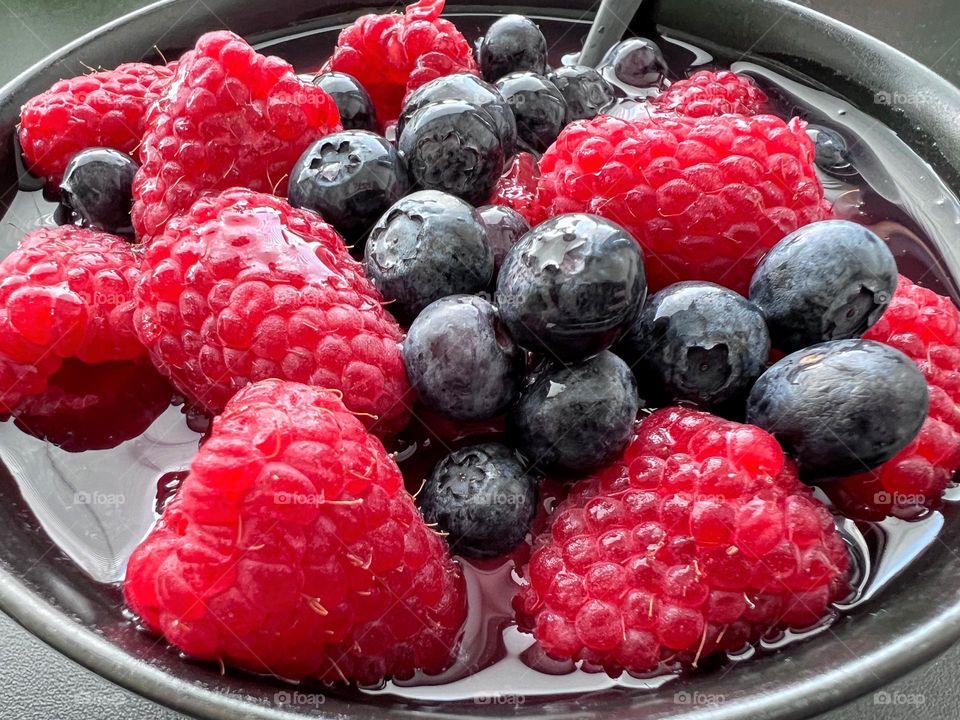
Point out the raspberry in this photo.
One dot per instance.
(517, 188)
(293, 549)
(392, 55)
(926, 327)
(707, 93)
(705, 197)
(231, 117)
(244, 287)
(103, 109)
(700, 539)
(65, 292)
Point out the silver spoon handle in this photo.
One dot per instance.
(611, 22)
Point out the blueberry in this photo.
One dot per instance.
(841, 407)
(575, 418)
(470, 88)
(829, 280)
(353, 101)
(697, 342)
(97, 188)
(512, 44)
(460, 359)
(571, 286)
(453, 146)
(585, 91)
(637, 62)
(427, 246)
(482, 497)
(350, 178)
(504, 226)
(830, 150)
(538, 107)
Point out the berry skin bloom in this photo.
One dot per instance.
(293, 549)
(926, 327)
(392, 55)
(230, 117)
(65, 292)
(244, 287)
(708, 92)
(704, 197)
(700, 539)
(102, 109)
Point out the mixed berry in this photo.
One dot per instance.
(659, 318)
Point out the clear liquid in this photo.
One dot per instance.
(97, 505)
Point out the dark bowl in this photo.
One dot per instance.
(52, 598)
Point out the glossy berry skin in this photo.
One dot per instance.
(709, 93)
(699, 540)
(831, 152)
(455, 147)
(97, 190)
(482, 497)
(229, 118)
(427, 246)
(350, 178)
(842, 406)
(585, 91)
(101, 109)
(504, 228)
(460, 359)
(292, 549)
(245, 287)
(517, 188)
(637, 62)
(697, 342)
(538, 106)
(471, 89)
(513, 43)
(575, 418)
(571, 286)
(704, 197)
(829, 280)
(352, 100)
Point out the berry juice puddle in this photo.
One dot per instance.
(96, 505)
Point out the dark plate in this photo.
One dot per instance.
(920, 615)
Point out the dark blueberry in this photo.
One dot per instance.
(586, 92)
(350, 178)
(427, 246)
(97, 188)
(575, 418)
(460, 359)
(482, 497)
(697, 342)
(571, 286)
(830, 149)
(504, 226)
(538, 107)
(637, 62)
(453, 146)
(829, 280)
(841, 407)
(471, 89)
(512, 44)
(353, 101)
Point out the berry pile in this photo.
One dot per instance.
(482, 242)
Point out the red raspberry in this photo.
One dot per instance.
(392, 55)
(244, 287)
(231, 117)
(517, 188)
(293, 549)
(705, 197)
(700, 539)
(926, 327)
(103, 109)
(65, 292)
(708, 92)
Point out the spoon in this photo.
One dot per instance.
(610, 23)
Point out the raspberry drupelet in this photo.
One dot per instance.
(709, 92)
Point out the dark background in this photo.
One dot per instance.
(36, 683)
